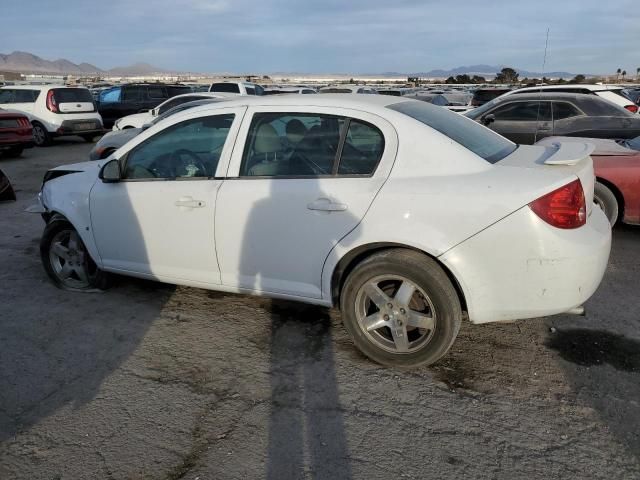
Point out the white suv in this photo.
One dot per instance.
(54, 110)
(608, 92)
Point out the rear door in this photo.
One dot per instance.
(523, 122)
(300, 179)
(153, 96)
(73, 100)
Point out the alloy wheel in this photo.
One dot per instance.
(70, 261)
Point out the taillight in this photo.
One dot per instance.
(51, 102)
(632, 108)
(563, 208)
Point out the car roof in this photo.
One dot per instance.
(548, 96)
(38, 87)
(592, 87)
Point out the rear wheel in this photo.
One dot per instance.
(607, 201)
(66, 259)
(401, 309)
(40, 135)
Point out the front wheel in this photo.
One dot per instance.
(401, 309)
(66, 259)
(607, 201)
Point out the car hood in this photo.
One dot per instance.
(602, 146)
(81, 166)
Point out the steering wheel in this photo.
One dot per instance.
(197, 161)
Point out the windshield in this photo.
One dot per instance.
(480, 140)
(478, 112)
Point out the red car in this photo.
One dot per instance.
(16, 133)
(617, 168)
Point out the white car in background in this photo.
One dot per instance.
(611, 93)
(236, 88)
(54, 110)
(405, 215)
(138, 120)
(361, 89)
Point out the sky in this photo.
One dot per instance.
(328, 36)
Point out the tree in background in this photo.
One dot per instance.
(637, 73)
(450, 80)
(463, 78)
(578, 79)
(478, 79)
(507, 75)
(624, 74)
(618, 72)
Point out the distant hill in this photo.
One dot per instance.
(488, 71)
(25, 62)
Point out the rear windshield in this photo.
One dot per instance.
(73, 95)
(336, 90)
(225, 87)
(471, 135)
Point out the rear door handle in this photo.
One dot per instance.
(326, 205)
(189, 202)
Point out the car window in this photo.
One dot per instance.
(524, 112)
(155, 92)
(563, 110)
(18, 95)
(174, 102)
(190, 149)
(250, 90)
(259, 90)
(362, 149)
(111, 95)
(73, 95)
(289, 144)
(173, 90)
(132, 94)
(225, 87)
(474, 137)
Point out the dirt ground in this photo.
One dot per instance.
(151, 381)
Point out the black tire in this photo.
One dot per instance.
(425, 274)
(95, 278)
(14, 152)
(606, 199)
(41, 136)
(88, 137)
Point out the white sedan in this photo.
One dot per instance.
(405, 215)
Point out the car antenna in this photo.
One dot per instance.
(544, 64)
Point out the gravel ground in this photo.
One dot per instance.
(151, 381)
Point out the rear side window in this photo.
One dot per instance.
(111, 95)
(524, 112)
(599, 107)
(72, 95)
(363, 148)
(474, 137)
(156, 93)
(18, 96)
(562, 110)
(225, 87)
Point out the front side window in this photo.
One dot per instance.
(250, 90)
(132, 94)
(563, 110)
(155, 93)
(190, 149)
(524, 112)
(474, 137)
(291, 144)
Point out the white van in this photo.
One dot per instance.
(54, 110)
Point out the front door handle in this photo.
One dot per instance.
(189, 202)
(326, 205)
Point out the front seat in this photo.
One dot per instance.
(267, 156)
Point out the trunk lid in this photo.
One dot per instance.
(570, 158)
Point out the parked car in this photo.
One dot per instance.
(16, 133)
(456, 102)
(484, 95)
(236, 88)
(617, 170)
(282, 90)
(113, 140)
(6, 190)
(54, 110)
(137, 120)
(632, 94)
(123, 100)
(526, 118)
(349, 89)
(611, 93)
(339, 200)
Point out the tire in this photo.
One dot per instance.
(412, 333)
(14, 152)
(607, 201)
(41, 136)
(67, 261)
(88, 138)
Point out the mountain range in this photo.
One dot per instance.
(487, 71)
(25, 62)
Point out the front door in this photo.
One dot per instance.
(298, 183)
(159, 220)
(523, 122)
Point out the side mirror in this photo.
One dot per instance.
(110, 172)
(154, 112)
(488, 119)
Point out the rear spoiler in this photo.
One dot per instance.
(569, 153)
